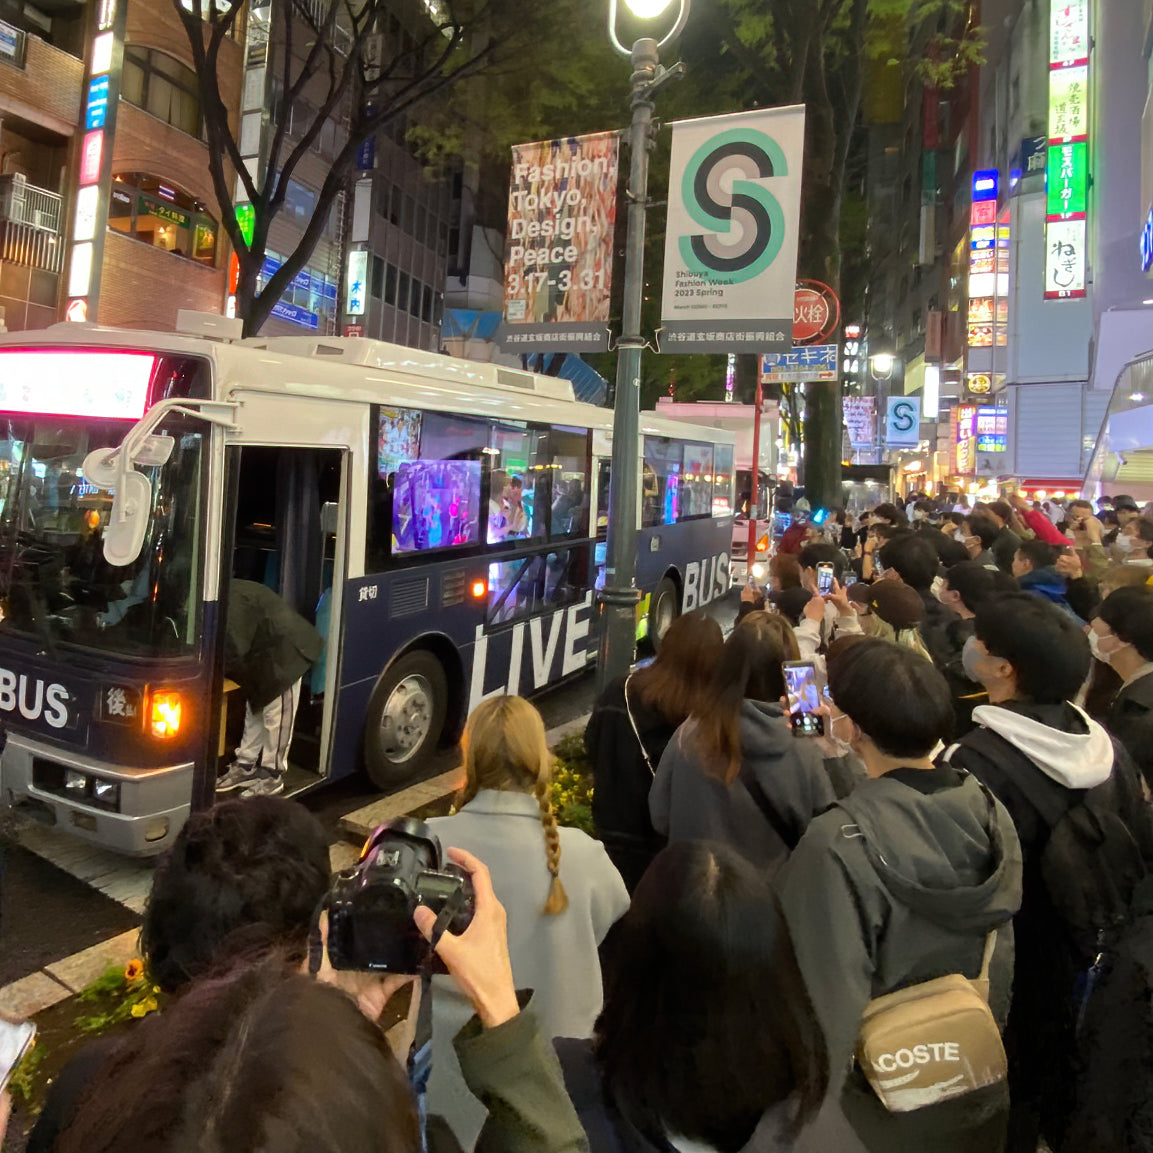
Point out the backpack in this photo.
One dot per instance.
(1096, 869)
(1099, 848)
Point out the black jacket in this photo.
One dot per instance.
(1005, 548)
(268, 646)
(1051, 752)
(623, 777)
(1130, 720)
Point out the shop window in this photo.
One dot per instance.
(147, 209)
(163, 87)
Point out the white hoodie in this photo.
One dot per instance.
(1075, 760)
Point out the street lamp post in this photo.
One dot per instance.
(618, 598)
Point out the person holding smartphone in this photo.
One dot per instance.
(823, 569)
(734, 771)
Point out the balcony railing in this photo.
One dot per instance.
(30, 225)
(24, 203)
(23, 244)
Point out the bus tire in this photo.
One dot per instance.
(405, 720)
(664, 608)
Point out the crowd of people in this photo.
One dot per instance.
(756, 951)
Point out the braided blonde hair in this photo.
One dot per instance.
(505, 748)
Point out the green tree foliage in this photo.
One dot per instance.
(333, 58)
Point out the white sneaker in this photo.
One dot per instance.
(238, 776)
(265, 785)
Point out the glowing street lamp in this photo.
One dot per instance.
(618, 598)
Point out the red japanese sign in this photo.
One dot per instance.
(816, 312)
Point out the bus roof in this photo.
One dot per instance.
(353, 369)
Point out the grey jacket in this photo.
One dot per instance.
(689, 804)
(555, 955)
(900, 882)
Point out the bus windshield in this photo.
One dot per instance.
(54, 581)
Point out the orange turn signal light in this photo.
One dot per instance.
(479, 589)
(164, 714)
(763, 543)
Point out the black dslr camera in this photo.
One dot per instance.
(370, 906)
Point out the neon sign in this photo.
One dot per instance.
(1067, 158)
(103, 385)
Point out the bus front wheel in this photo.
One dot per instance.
(664, 608)
(405, 720)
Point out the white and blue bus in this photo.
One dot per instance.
(441, 521)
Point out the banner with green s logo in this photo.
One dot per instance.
(731, 240)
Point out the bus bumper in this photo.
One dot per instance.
(141, 817)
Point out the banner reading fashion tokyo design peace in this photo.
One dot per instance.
(559, 254)
(731, 241)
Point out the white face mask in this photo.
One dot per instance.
(842, 747)
(937, 586)
(959, 536)
(1105, 656)
(1125, 543)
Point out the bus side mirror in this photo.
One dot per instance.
(131, 499)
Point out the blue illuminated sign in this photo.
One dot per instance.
(985, 184)
(1147, 243)
(97, 103)
(290, 312)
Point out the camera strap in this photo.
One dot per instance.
(315, 944)
(453, 905)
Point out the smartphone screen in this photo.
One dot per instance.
(16, 1039)
(825, 577)
(804, 698)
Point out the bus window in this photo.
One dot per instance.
(531, 584)
(723, 480)
(569, 472)
(604, 481)
(426, 488)
(661, 501)
(518, 504)
(696, 486)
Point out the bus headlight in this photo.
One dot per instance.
(106, 793)
(164, 713)
(75, 782)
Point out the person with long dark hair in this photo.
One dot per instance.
(734, 772)
(707, 1040)
(631, 725)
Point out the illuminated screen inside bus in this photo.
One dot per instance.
(435, 504)
(101, 385)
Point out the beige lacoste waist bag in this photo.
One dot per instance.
(933, 1041)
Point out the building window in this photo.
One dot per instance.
(376, 275)
(147, 209)
(163, 87)
(390, 284)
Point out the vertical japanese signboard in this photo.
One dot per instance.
(731, 240)
(559, 254)
(1067, 159)
(94, 175)
(861, 420)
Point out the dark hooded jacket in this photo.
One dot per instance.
(1051, 752)
(901, 882)
(688, 803)
(1047, 582)
(1130, 720)
(268, 646)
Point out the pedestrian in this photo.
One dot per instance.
(897, 611)
(708, 1040)
(903, 880)
(734, 772)
(559, 888)
(835, 616)
(913, 561)
(1121, 636)
(1133, 543)
(1035, 571)
(1038, 523)
(963, 589)
(242, 879)
(268, 647)
(631, 724)
(1037, 753)
(260, 1060)
(980, 535)
(1007, 541)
